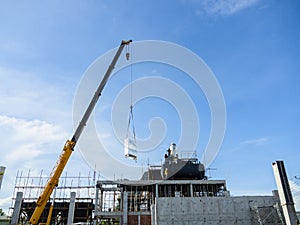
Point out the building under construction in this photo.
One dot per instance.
(164, 202)
(156, 201)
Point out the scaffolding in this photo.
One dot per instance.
(31, 186)
(267, 214)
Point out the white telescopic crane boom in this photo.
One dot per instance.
(70, 144)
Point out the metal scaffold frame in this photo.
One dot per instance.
(81, 187)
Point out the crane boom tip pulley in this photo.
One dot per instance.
(126, 42)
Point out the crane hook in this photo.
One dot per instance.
(127, 52)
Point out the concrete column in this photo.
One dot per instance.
(101, 201)
(156, 190)
(17, 208)
(285, 194)
(71, 208)
(97, 204)
(125, 208)
(191, 190)
(153, 214)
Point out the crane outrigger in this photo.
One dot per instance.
(70, 144)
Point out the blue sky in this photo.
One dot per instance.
(252, 47)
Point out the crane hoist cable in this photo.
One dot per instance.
(130, 148)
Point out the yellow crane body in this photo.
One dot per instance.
(53, 181)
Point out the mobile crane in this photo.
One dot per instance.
(70, 144)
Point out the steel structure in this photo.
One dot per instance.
(31, 186)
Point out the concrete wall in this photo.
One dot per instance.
(217, 211)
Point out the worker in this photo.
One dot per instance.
(59, 219)
(169, 151)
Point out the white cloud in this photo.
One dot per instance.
(24, 140)
(33, 95)
(252, 143)
(225, 7)
(257, 142)
(29, 141)
(26, 144)
(5, 201)
(23, 129)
